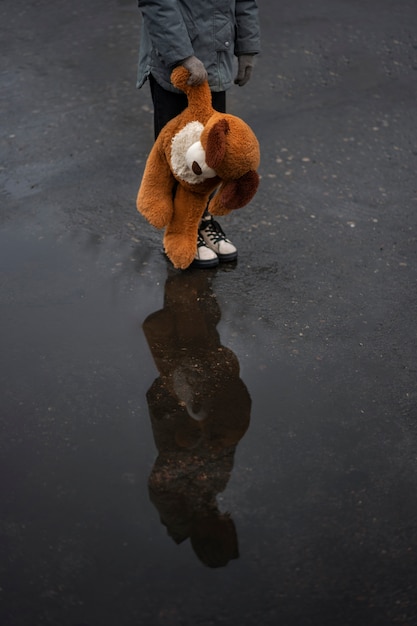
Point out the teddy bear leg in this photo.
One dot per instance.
(180, 240)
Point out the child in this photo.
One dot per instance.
(204, 37)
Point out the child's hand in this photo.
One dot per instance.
(198, 73)
(245, 66)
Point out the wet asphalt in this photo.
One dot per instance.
(230, 446)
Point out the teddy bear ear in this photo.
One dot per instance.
(216, 143)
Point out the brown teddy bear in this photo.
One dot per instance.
(197, 152)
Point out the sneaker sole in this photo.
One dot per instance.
(226, 258)
(205, 264)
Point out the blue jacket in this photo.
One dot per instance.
(214, 31)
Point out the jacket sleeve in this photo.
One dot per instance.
(167, 30)
(247, 28)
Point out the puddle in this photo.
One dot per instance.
(161, 465)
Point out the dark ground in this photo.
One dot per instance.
(319, 312)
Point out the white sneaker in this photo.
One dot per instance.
(205, 256)
(215, 239)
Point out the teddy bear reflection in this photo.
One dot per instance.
(199, 409)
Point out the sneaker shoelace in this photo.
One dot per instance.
(214, 231)
(200, 241)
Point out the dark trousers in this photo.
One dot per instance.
(168, 104)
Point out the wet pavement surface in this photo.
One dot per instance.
(232, 446)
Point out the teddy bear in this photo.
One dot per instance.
(196, 153)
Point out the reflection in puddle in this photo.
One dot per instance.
(199, 409)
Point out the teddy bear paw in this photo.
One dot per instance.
(180, 250)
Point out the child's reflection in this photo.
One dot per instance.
(200, 409)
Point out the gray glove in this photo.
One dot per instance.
(245, 66)
(198, 73)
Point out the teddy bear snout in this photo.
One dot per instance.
(196, 161)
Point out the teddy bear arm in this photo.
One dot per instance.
(155, 196)
(217, 206)
(234, 194)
